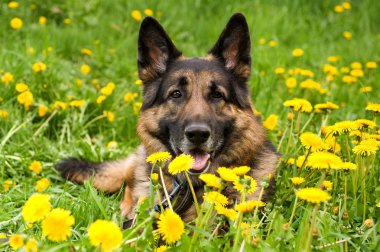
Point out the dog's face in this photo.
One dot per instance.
(188, 102)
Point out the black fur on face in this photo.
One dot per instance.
(198, 94)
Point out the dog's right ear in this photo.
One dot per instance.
(155, 50)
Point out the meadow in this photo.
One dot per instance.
(69, 87)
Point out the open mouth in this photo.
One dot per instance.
(201, 160)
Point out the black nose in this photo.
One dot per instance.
(197, 133)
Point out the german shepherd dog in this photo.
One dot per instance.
(198, 106)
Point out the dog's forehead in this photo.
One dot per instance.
(203, 67)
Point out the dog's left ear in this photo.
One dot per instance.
(155, 50)
(233, 47)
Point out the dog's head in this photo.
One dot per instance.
(190, 104)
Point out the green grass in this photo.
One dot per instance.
(107, 28)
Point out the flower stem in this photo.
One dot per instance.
(193, 193)
(164, 186)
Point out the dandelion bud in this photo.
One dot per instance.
(290, 116)
(255, 241)
(368, 223)
(345, 215)
(285, 227)
(154, 177)
(315, 232)
(336, 210)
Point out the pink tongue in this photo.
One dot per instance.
(200, 160)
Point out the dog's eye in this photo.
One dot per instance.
(176, 94)
(216, 95)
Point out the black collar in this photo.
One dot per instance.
(180, 197)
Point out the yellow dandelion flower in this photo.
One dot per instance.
(347, 35)
(229, 213)
(36, 166)
(13, 5)
(129, 97)
(313, 195)
(247, 183)
(291, 82)
(42, 184)
(111, 145)
(241, 170)
(324, 160)
(31, 245)
(4, 114)
(297, 180)
(341, 127)
(346, 5)
(77, 103)
(16, 23)
(345, 69)
(108, 89)
(357, 73)
(148, 12)
(333, 145)
(59, 105)
(42, 20)
(312, 142)
(248, 206)
(161, 248)
(366, 89)
(170, 226)
(100, 99)
(365, 124)
(375, 107)
(36, 207)
(349, 79)
(378, 204)
(298, 104)
(327, 185)
(136, 107)
(16, 241)
(138, 82)
(262, 41)
(348, 166)
(7, 78)
(300, 161)
(356, 65)
(105, 234)
(181, 163)
(21, 87)
(109, 115)
(211, 180)
(325, 107)
(279, 70)
(298, 52)
(39, 67)
(158, 157)
(26, 99)
(333, 59)
(371, 65)
(227, 174)
(57, 225)
(85, 69)
(271, 122)
(67, 21)
(86, 51)
(290, 161)
(366, 147)
(338, 9)
(272, 43)
(136, 15)
(216, 198)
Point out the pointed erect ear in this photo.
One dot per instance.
(155, 50)
(233, 47)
